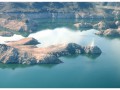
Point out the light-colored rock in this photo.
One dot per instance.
(109, 32)
(25, 41)
(6, 33)
(83, 25)
(77, 25)
(117, 23)
(101, 25)
(118, 30)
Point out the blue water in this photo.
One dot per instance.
(77, 71)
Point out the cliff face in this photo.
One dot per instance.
(52, 6)
(60, 9)
(43, 6)
(87, 8)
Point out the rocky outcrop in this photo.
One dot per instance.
(109, 33)
(13, 55)
(28, 54)
(6, 33)
(25, 41)
(13, 25)
(8, 54)
(102, 25)
(83, 25)
(66, 49)
(73, 48)
(92, 50)
(117, 23)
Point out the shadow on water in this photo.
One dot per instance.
(15, 66)
(48, 66)
(72, 56)
(93, 56)
(90, 56)
(112, 37)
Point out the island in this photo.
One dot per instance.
(25, 51)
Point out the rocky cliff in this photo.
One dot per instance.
(57, 10)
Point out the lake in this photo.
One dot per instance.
(77, 71)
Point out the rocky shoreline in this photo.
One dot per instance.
(17, 53)
(6, 33)
(109, 33)
(101, 25)
(108, 29)
(28, 25)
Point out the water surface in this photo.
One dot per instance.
(76, 71)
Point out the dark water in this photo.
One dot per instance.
(77, 71)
